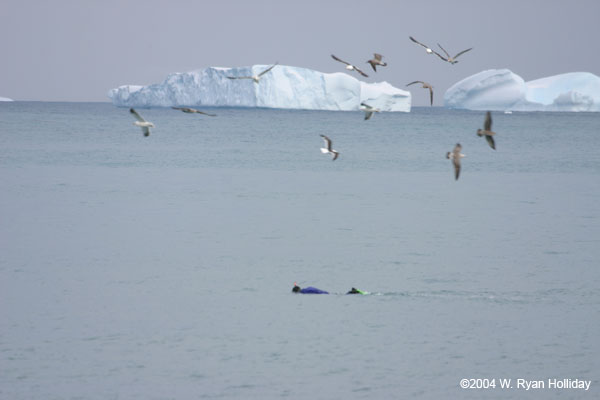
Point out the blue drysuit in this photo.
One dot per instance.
(312, 290)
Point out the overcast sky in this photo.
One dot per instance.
(65, 50)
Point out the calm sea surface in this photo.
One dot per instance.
(162, 267)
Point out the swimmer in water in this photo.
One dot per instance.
(308, 290)
(356, 291)
(314, 290)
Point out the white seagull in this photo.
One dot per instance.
(487, 131)
(141, 122)
(192, 111)
(368, 110)
(328, 149)
(349, 66)
(455, 156)
(451, 60)
(255, 78)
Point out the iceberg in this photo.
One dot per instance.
(283, 87)
(501, 89)
(5, 99)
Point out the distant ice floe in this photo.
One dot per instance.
(283, 87)
(503, 90)
(5, 99)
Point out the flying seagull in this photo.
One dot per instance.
(368, 110)
(255, 78)
(455, 156)
(451, 60)
(349, 66)
(425, 86)
(375, 61)
(141, 122)
(329, 149)
(427, 48)
(487, 131)
(192, 110)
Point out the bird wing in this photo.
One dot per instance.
(456, 162)
(335, 155)
(462, 52)
(268, 69)
(417, 42)
(177, 108)
(205, 113)
(146, 131)
(340, 60)
(490, 140)
(412, 83)
(373, 65)
(240, 77)
(444, 50)
(368, 115)
(377, 56)
(439, 55)
(360, 72)
(431, 94)
(136, 115)
(487, 125)
(327, 142)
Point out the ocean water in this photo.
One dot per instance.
(162, 267)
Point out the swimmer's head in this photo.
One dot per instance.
(353, 291)
(296, 288)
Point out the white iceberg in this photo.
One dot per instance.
(5, 99)
(283, 87)
(501, 89)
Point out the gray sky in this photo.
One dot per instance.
(65, 50)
